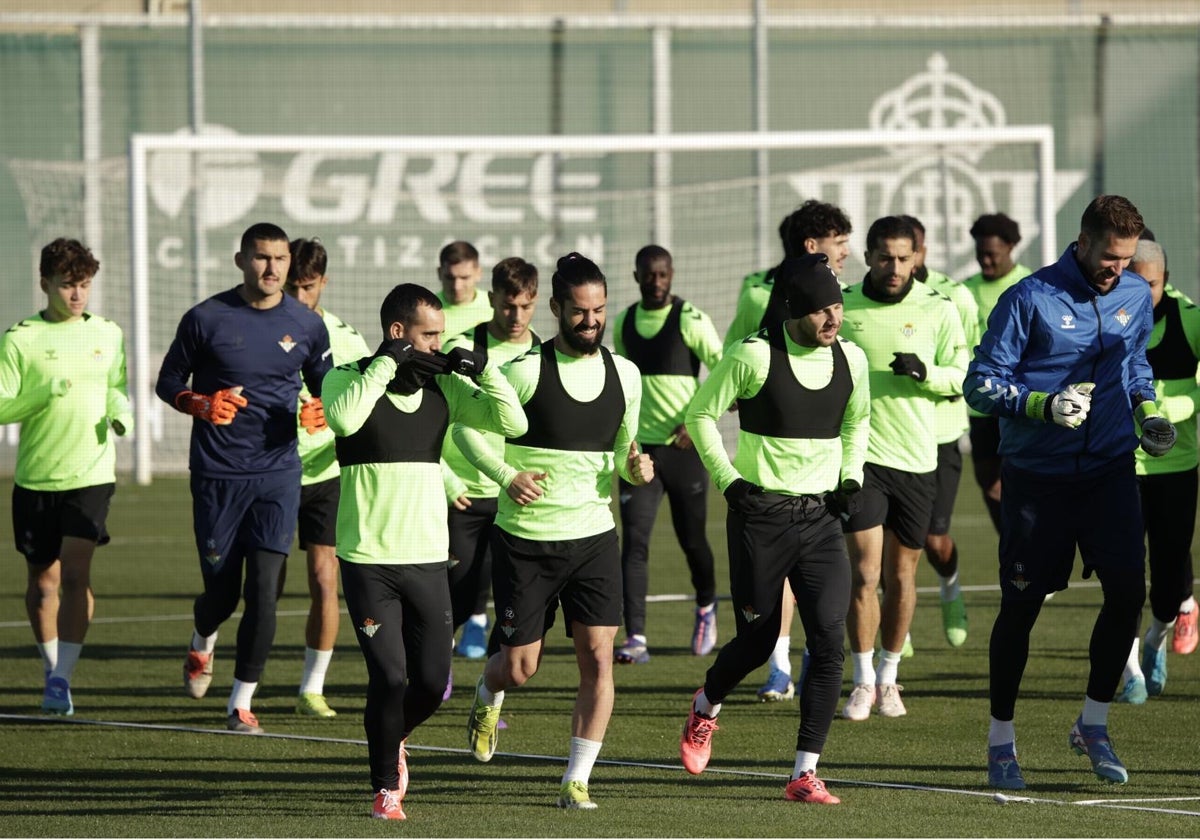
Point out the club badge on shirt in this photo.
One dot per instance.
(287, 344)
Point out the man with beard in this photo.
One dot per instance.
(1064, 347)
(555, 539)
(390, 413)
(914, 342)
(667, 338)
(804, 416)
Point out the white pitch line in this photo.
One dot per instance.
(1115, 804)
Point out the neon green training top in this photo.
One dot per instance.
(577, 496)
(1177, 397)
(464, 478)
(665, 397)
(790, 466)
(751, 306)
(460, 317)
(64, 382)
(318, 460)
(924, 322)
(951, 417)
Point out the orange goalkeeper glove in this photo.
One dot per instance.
(312, 415)
(218, 409)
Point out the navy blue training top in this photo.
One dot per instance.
(222, 342)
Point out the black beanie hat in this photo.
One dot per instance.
(808, 284)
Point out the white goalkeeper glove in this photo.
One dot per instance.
(1068, 408)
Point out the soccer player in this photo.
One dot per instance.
(667, 338)
(995, 235)
(244, 351)
(463, 303)
(472, 510)
(804, 414)
(913, 339)
(555, 539)
(950, 419)
(390, 412)
(815, 227)
(1062, 362)
(1168, 484)
(319, 485)
(62, 377)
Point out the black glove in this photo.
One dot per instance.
(909, 364)
(467, 362)
(845, 501)
(740, 495)
(399, 349)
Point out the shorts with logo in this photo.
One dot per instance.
(898, 500)
(41, 518)
(946, 479)
(1044, 518)
(244, 514)
(318, 513)
(529, 577)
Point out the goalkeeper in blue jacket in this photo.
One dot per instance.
(1063, 364)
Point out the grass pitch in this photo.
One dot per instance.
(142, 759)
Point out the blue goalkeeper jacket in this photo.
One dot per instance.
(1052, 330)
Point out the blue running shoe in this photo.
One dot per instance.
(778, 687)
(1154, 666)
(56, 699)
(473, 643)
(1093, 742)
(704, 633)
(1134, 691)
(1003, 771)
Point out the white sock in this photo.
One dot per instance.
(864, 667)
(479, 619)
(240, 696)
(1001, 732)
(805, 761)
(1133, 665)
(779, 656)
(1188, 605)
(582, 757)
(949, 585)
(889, 666)
(203, 644)
(1156, 634)
(68, 655)
(316, 663)
(705, 707)
(1095, 713)
(48, 650)
(489, 698)
(707, 608)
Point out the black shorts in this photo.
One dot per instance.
(318, 513)
(985, 437)
(530, 577)
(41, 518)
(898, 500)
(946, 478)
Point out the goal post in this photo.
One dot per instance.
(385, 205)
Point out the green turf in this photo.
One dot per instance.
(62, 778)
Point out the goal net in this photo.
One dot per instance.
(385, 206)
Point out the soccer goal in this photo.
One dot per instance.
(384, 207)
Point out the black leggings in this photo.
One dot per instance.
(1169, 509)
(223, 588)
(806, 548)
(401, 616)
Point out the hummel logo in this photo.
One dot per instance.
(1068, 322)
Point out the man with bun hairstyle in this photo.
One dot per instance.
(804, 416)
(555, 540)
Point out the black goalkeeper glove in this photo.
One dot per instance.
(464, 361)
(845, 501)
(398, 349)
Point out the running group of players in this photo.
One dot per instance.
(849, 400)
